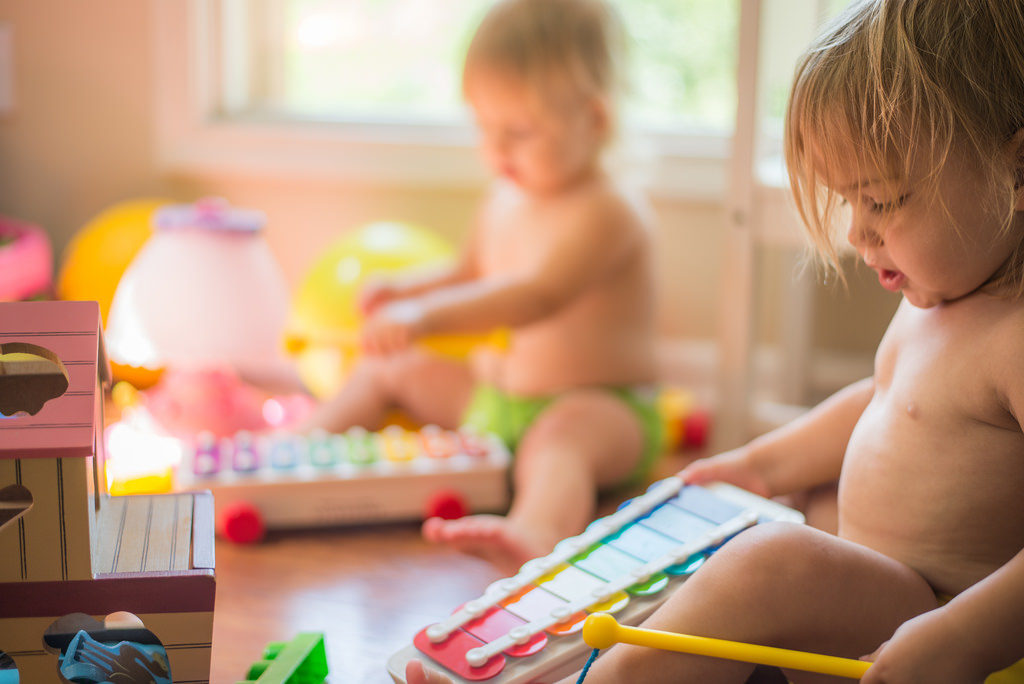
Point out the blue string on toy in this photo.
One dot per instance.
(590, 661)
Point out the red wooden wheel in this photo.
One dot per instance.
(447, 504)
(241, 523)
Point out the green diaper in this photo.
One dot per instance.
(509, 417)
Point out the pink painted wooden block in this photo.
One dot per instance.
(69, 553)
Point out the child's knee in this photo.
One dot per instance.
(592, 418)
(769, 557)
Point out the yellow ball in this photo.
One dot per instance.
(323, 328)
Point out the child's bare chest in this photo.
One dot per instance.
(516, 234)
(936, 457)
(938, 365)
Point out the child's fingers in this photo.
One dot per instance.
(703, 471)
(724, 468)
(415, 673)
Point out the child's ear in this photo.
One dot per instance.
(600, 110)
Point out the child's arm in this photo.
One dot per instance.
(587, 248)
(979, 632)
(378, 292)
(800, 455)
(597, 241)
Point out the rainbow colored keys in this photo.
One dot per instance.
(285, 481)
(525, 628)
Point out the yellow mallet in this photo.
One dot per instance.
(601, 630)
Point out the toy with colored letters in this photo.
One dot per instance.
(526, 628)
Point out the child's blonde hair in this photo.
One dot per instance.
(552, 44)
(889, 75)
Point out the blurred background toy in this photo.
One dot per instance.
(686, 424)
(282, 481)
(205, 301)
(96, 258)
(26, 261)
(203, 291)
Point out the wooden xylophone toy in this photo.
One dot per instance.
(526, 628)
(290, 481)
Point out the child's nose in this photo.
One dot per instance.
(862, 234)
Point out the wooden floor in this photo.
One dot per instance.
(368, 589)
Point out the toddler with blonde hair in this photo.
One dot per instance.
(906, 118)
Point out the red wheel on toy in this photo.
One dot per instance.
(696, 427)
(241, 522)
(447, 504)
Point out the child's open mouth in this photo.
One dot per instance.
(891, 280)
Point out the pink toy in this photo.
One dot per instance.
(187, 402)
(203, 292)
(205, 300)
(26, 261)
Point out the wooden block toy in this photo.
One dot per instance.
(526, 628)
(303, 660)
(291, 481)
(69, 553)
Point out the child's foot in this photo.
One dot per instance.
(491, 537)
(415, 673)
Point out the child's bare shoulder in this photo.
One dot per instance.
(608, 206)
(997, 347)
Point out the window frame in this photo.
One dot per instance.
(193, 138)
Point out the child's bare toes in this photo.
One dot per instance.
(490, 537)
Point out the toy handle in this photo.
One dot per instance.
(458, 345)
(451, 345)
(601, 630)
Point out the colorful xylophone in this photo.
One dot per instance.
(289, 481)
(525, 628)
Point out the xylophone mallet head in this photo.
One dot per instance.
(600, 630)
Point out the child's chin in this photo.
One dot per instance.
(922, 301)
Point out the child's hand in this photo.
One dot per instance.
(733, 467)
(374, 294)
(928, 648)
(393, 328)
(415, 673)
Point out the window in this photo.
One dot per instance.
(399, 61)
(370, 88)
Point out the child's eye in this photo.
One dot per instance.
(885, 207)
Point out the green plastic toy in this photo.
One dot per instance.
(303, 660)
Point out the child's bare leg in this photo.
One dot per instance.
(583, 441)
(429, 388)
(781, 585)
